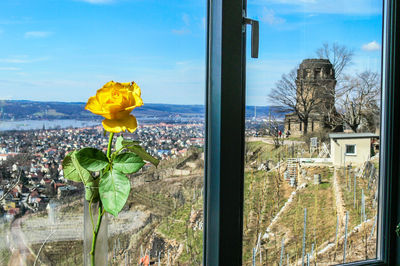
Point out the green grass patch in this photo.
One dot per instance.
(264, 195)
(177, 226)
(5, 255)
(320, 221)
(262, 152)
(346, 181)
(5, 252)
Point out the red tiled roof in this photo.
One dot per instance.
(13, 211)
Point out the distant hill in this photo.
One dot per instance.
(35, 110)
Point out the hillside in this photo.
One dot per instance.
(34, 110)
(283, 222)
(164, 214)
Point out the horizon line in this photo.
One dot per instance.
(71, 102)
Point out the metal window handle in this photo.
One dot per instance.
(254, 35)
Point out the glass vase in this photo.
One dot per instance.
(101, 249)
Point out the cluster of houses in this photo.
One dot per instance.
(30, 161)
(169, 140)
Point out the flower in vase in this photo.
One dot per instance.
(115, 101)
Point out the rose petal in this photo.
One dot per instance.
(103, 94)
(127, 123)
(134, 101)
(136, 88)
(94, 106)
(138, 100)
(115, 111)
(109, 84)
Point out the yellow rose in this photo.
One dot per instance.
(114, 101)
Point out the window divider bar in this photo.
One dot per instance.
(389, 187)
(225, 110)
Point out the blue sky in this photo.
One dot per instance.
(64, 50)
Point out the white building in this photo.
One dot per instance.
(354, 148)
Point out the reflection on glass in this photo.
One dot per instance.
(312, 133)
(53, 55)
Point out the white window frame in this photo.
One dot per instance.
(355, 150)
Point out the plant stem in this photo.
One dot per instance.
(109, 145)
(95, 233)
(101, 212)
(91, 214)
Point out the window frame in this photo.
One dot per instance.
(351, 153)
(224, 146)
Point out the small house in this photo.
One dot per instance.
(354, 148)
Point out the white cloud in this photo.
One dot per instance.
(21, 60)
(37, 34)
(9, 68)
(262, 75)
(354, 7)
(98, 1)
(203, 23)
(185, 28)
(186, 19)
(14, 60)
(372, 46)
(268, 16)
(294, 1)
(20, 20)
(5, 97)
(180, 31)
(184, 79)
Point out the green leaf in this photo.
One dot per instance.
(92, 191)
(143, 154)
(118, 143)
(74, 171)
(114, 190)
(69, 168)
(92, 159)
(128, 163)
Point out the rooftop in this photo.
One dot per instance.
(352, 135)
(315, 62)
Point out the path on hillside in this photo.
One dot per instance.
(340, 212)
(340, 207)
(20, 251)
(283, 209)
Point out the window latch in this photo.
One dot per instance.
(254, 35)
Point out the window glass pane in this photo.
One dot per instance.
(312, 133)
(350, 149)
(54, 55)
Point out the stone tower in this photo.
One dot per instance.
(315, 81)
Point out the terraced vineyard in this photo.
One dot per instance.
(285, 224)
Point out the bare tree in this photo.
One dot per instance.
(340, 56)
(359, 103)
(273, 127)
(301, 99)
